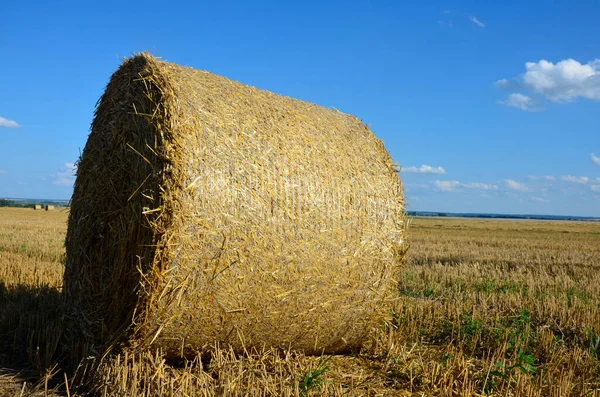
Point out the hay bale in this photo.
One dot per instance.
(209, 212)
(37, 207)
(49, 207)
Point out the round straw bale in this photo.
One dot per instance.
(37, 207)
(207, 212)
(49, 207)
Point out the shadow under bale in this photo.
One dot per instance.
(30, 328)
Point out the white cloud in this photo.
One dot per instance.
(575, 179)
(514, 185)
(452, 186)
(66, 175)
(543, 178)
(502, 84)
(520, 101)
(8, 123)
(595, 188)
(2, 172)
(477, 22)
(595, 160)
(564, 81)
(447, 186)
(425, 169)
(482, 186)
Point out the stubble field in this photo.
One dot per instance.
(484, 307)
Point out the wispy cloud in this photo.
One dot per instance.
(6, 123)
(425, 169)
(65, 176)
(459, 17)
(477, 22)
(542, 178)
(595, 188)
(595, 160)
(520, 101)
(482, 186)
(446, 22)
(446, 186)
(538, 199)
(504, 84)
(514, 185)
(575, 179)
(452, 186)
(2, 172)
(564, 81)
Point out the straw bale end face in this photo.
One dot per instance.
(208, 212)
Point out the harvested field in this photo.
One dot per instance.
(492, 308)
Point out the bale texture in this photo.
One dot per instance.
(49, 207)
(207, 212)
(37, 207)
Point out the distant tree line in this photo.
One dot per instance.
(11, 203)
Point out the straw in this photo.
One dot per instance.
(207, 212)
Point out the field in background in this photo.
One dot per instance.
(485, 307)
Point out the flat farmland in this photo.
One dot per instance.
(484, 308)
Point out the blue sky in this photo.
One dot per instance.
(487, 106)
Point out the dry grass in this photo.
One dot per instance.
(474, 294)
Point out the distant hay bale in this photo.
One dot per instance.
(37, 207)
(209, 212)
(49, 207)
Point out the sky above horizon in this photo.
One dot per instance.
(489, 107)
